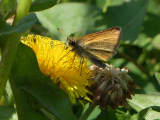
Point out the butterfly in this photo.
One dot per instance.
(96, 47)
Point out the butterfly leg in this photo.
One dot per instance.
(81, 65)
(73, 59)
(64, 56)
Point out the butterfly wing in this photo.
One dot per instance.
(102, 54)
(102, 44)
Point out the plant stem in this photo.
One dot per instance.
(86, 114)
(11, 47)
(108, 2)
(22, 10)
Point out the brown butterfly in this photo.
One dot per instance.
(96, 47)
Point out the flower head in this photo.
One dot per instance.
(56, 60)
(112, 86)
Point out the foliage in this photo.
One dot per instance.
(33, 93)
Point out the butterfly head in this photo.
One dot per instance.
(71, 42)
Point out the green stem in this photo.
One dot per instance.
(87, 113)
(11, 47)
(108, 2)
(2, 102)
(22, 10)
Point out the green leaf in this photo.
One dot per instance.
(150, 26)
(7, 113)
(104, 4)
(141, 115)
(70, 18)
(34, 91)
(142, 101)
(154, 7)
(39, 5)
(156, 42)
(129, 17)
(22, 26)
(157, 77)
(89, 19)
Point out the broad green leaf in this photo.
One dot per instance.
(7, 113)
(22, 70)
(141, 115)
(78, 17)
(157, 77)
(39, 5)
(70, 18)
(34, 91)
(129, 17)
(22, 26)
(150, 26)
(142, 101)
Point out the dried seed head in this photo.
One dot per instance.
(112, 86)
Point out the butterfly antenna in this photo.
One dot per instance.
(61, 31)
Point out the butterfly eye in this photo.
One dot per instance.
(72, 43)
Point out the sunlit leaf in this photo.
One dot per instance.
(142, 101)
(158, 77)
(141, 115)
(78, 17)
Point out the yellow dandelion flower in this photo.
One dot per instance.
(62, 65)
